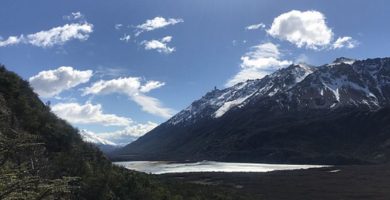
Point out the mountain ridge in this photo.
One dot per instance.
(271, 105)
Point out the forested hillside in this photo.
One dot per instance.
(43, 157)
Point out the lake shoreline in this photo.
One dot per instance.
(163, 167)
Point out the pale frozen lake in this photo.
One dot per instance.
(162, 167)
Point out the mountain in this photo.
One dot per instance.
(335, 113)
(94, 139)
(43, 157)
(104, 145)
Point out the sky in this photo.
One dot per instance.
(117, 69)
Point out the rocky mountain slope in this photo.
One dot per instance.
(335, 113)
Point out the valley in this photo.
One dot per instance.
(194, 100)
(341, 182)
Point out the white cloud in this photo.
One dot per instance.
(129, 133)
(101, 71)
(119, 137)
(128, 86)
(159, 45)
(55, 36)
(11, 40)
(346, 42)
(60, 35)
(74, 16)
(151, 85)
(125, 38)
(52, 82)
(166, 39)
(260, 61)
(152, 106)
(255, 26)
(302, 58)
(135, 89)
(118, 26)
(304, 29)
(88, 114)
(156, 23)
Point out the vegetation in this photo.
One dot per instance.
(43, 157)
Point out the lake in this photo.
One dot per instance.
(163, 167)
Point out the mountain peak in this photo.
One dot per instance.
(328, 87)
(283, 116)
(345, 60)
(218, 102)
(93, 138)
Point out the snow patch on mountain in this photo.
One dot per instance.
(91, 137)
(218, 102)
(341, 60)
(228, 105)
(344, 82)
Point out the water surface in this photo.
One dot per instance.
(163, 167)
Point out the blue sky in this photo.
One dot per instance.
(188, 48)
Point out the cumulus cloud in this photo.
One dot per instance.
(125, 38)
(55, 36)
(74, 16)
(135, 90)
(156, 23)
(52, 82)
(159, 45)
(304, 29)
(260, 61)
(255, 26)
(88, 113)
(345, 42)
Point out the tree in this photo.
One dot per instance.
(23, 167)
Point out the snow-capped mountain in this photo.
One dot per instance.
(93, 138)
(217, 102)
(334, 113)
(343, 82)
(104, 145)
